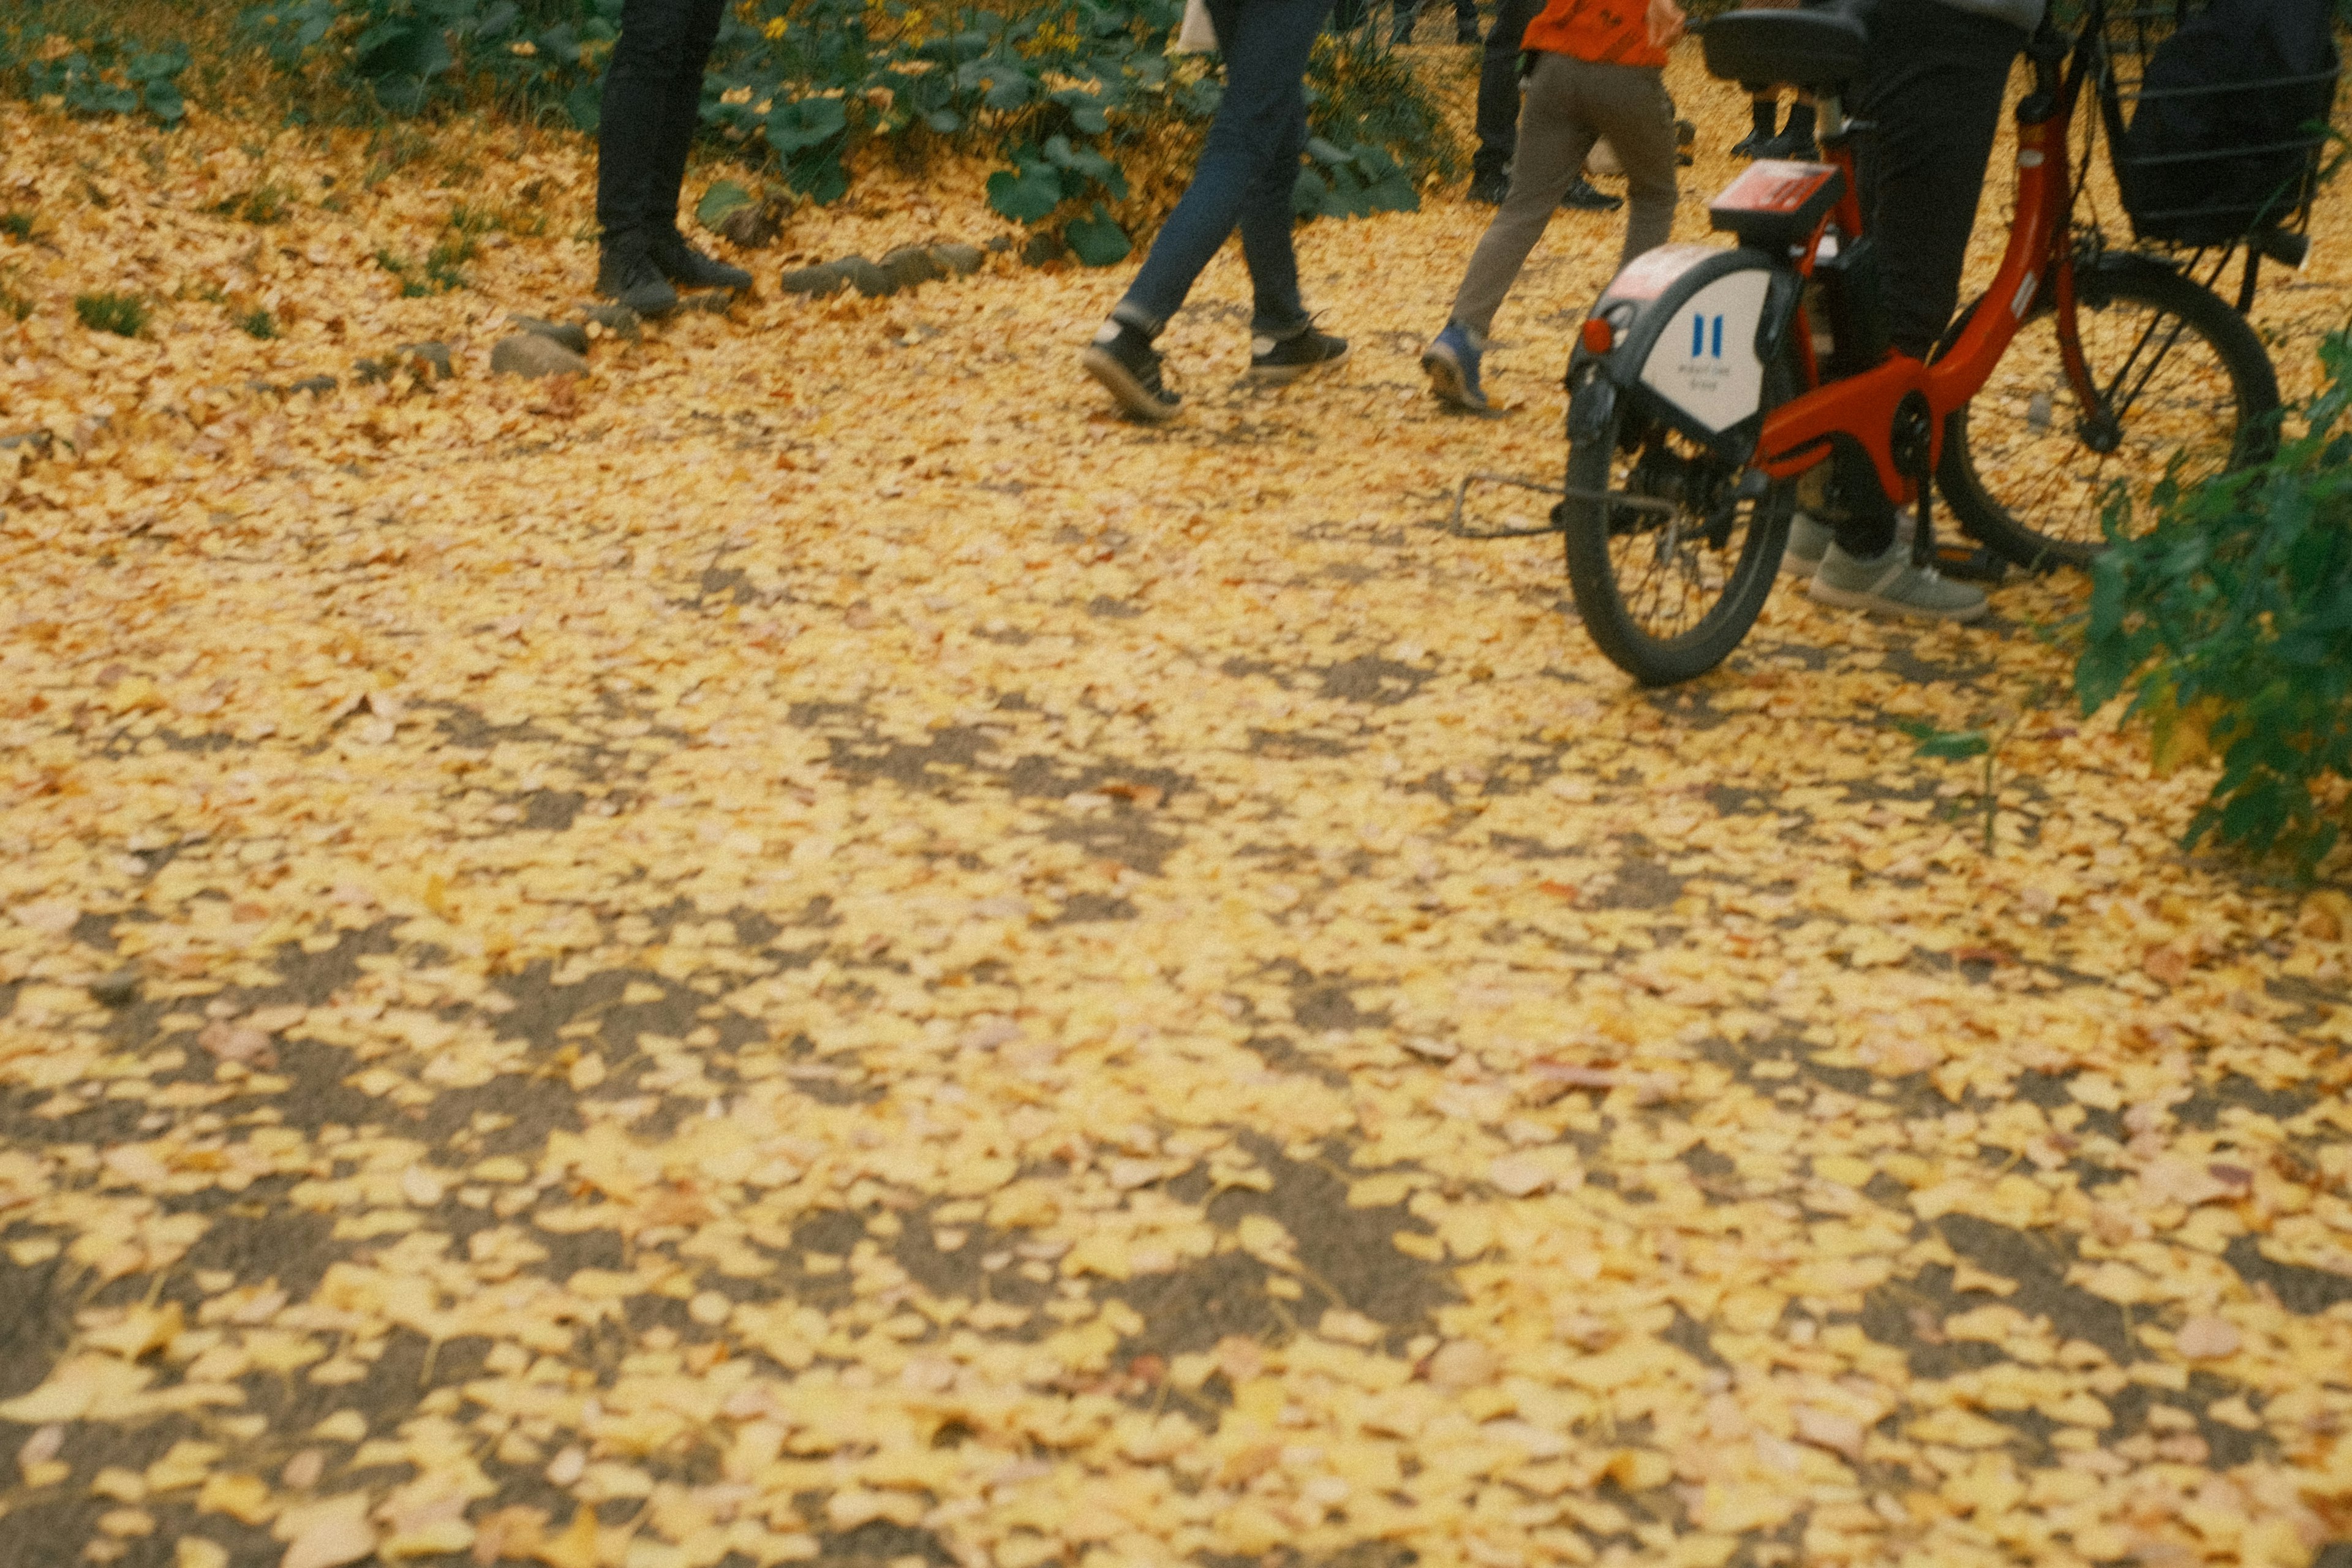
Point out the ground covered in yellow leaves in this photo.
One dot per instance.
(809, 948)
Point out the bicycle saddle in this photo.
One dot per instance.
(1815, 50)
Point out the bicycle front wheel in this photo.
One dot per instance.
(1670, 551)
(2030, 471)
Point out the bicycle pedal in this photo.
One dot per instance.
(1970, 564)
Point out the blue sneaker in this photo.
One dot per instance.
(1453, 367)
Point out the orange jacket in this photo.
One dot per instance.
(1607, 32)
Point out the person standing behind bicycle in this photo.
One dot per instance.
(1939, 71)
(1599, 71)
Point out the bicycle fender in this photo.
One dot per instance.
(1694, 326)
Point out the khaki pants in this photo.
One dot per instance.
(1570, 104)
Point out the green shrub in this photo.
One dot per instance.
(1069, 93)
(124, 315)
(2231, 622)
(101, 74)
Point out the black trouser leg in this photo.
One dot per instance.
(653, 93)
(1936, 100)
(1499, 86)
(682, 114)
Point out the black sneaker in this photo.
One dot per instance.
(629, 275)
(1798, 146)
(1287, 359)
(1752, 145)
(1124, 361)
(1490, 188)
(1584, 196)
(690, 268)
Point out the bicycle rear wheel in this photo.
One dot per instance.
(2029, 470)
(1671, 569)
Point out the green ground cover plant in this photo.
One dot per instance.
(1076, 100)
(2229, 622)
(124, 315)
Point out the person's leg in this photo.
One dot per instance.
(1253, 148)
(697, 23)
(1499, 87)
(1269, 223)
(1554, 136)
(1628, 105)
(628, 133)
(1763, 111)
(1937, 104)
(1466, 21)
(1407, 12)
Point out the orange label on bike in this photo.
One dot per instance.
(1774, 185)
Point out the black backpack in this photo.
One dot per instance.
(2222, 142)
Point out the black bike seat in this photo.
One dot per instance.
(1818, 50)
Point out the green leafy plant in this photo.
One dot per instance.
(1075, 96)
(104, 74)
(267, 203)
(257, 324)
(2230, 621)
(17, 226)
(124, 315)
(409, 54)
(1967, 745)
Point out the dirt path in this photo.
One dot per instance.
(822, 950)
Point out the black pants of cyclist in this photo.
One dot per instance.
(1936, 100)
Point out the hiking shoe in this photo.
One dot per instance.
(690, 268)
(1452, 362)
(1490, 188)
(1124, 361)
(1891, 585)
(1808, 540)
(1287, 359)
(631, 278)
(1584, 196)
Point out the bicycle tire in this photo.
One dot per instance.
(1727, 591)
(2195, 381)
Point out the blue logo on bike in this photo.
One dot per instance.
(1707, 337)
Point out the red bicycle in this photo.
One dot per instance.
(1707, 380)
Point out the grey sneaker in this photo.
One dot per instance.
(1891, 585)
(1808, 540)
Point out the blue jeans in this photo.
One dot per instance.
(1246, 172)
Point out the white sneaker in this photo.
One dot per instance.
(1891, 585)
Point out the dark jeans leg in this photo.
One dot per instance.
(1499, 86)
(663, 43)
(1246, 172)
(682, 115)
(1937, 102)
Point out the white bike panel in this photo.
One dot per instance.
(1705, 362)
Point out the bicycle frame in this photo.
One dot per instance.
(1870, 407)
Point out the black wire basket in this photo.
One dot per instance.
(2205, 165)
